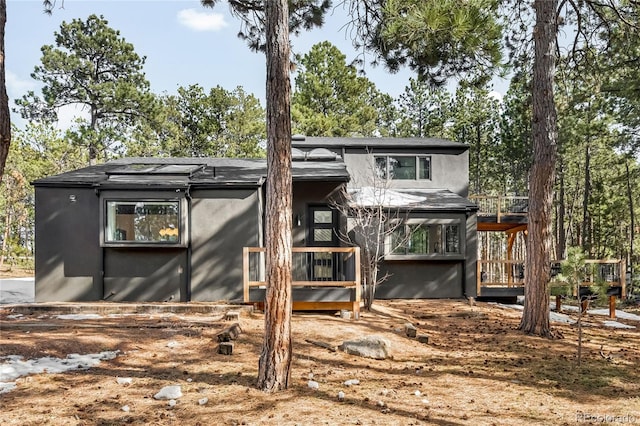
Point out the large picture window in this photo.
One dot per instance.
(403, 167)
(143, 222)
(431, 239)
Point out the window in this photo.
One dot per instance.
(403, 167)
(323, 226)
(143, 222)
(425, 239)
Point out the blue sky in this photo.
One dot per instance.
(184, 44)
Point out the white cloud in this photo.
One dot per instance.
(201, 21)
(17, 87)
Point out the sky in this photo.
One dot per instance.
(183, 42)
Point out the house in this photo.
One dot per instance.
(161, 229)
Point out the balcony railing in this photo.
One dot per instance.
(500, 206)
(500, 273)
(511, 273)
(312, 267)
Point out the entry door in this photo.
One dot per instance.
(323, 226)
(323, 232)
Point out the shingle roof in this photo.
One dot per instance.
(171, 172)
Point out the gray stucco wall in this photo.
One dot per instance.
(449, 169)
(67, 245)
(471, 266)
(222, 222)
(145, 274)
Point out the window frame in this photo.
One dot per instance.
(391, 252)
(181, 224)
(333, 226)
(386, 175)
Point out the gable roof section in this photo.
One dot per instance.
(182, 172)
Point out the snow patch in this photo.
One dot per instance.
(78, 317)
(16, 367)
(616, 324)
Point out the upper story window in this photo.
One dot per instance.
(403, 167)
(143, 222)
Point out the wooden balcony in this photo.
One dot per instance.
(500, 278)
(501, 213)
(324, 278)
(506, 277)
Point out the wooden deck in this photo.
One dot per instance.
(498, 213)
(324, 278)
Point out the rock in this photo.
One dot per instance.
(313, 384)
(172, 403)
(169, 392)
(352, 382)
(125, 408)
(124, 380)
(340, 396)
(375, 347)
(203, 401)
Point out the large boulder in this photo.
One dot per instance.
(376, 347)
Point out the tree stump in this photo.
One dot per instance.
(410, 330)
(230, 333)
(225, 348)
(232, 316)
(423, 338)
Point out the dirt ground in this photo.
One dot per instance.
(15, 272)
(476, 369)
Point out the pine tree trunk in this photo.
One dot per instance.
(561, 240)
(5, 120)
(586, 217)
(535, 318)
(632, 233)
(275, 359)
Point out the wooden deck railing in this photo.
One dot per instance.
(313, 267)
(607, 271)
(500, 273)
(501, 206)
(511, 273)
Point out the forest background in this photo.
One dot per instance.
(598, 176)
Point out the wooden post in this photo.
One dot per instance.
(558, 303)
(245, 273)
(583, 305)
(479, 277)
(357, 278)
(612, 307)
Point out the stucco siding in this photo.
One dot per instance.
(448, 170)
(67, 245)
(222, 222)
(421, 280)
